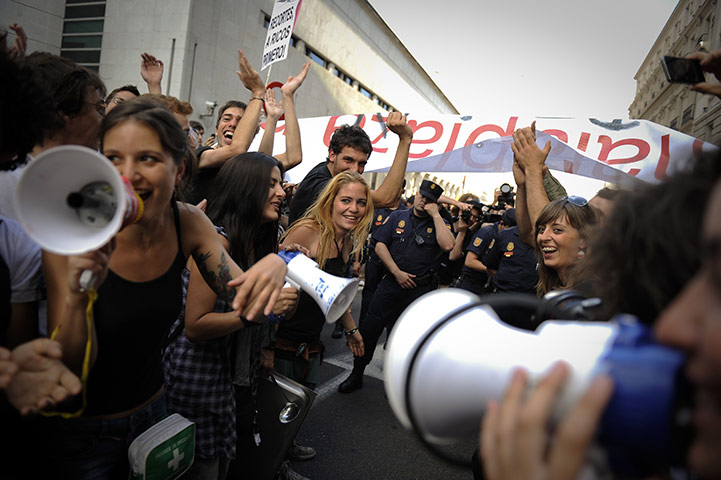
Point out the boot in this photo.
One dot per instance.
(352, 383)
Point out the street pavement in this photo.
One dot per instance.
(357, 436)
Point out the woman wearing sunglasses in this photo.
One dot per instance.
(560, 230)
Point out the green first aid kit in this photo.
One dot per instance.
(164, 451)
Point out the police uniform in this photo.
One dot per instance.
(473, 280)
(412, 243)
(374, 269)
(515, 262)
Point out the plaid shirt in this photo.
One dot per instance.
(198, 385)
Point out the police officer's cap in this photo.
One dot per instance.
(509, 217)
(430, 190)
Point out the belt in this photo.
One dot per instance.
(425, 279)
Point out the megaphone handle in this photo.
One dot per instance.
(290, 283)
(87, 280)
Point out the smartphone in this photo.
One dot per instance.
(682, 70)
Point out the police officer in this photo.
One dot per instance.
(512, 262)
(474, 274)
(374, 269)
(408, 244)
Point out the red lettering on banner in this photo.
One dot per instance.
(697, 148)
(454, 137)
(559, 134)
(567, 166)
(634, 171)
(583, 141)
(332, 127)
(662, 164)
(607, 145)
(492, 128)
(376, 140)
(437, 126)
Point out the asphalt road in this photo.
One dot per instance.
(356, 435)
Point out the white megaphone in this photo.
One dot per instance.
(71, 200)
(332, 294)
(449, 354)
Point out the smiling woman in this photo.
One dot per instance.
(333, 231)
(139, 294)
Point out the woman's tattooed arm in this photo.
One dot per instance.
(216, 275)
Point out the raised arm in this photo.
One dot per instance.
(387, 193)
(273, 111)
(151, 69)
(444, 237)
(525, 228)
(531, 160)
(245, 131)
(293, 152)
(461, 232)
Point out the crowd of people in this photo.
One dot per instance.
(188, 309)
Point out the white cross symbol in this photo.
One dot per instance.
(177, 458)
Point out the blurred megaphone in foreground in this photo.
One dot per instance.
(332, 294)
(449, 354)
(71, 200)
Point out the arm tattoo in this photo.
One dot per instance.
(217, 278)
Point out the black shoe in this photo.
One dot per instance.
(286, 472)
(338, 330)
(300, 452)
(352, 383)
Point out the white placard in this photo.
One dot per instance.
(280, 29)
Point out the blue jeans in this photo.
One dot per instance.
(96, 448)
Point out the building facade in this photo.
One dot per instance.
(357, 64)
(693, 25)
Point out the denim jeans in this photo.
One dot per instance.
(95, 448)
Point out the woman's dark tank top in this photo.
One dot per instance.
(307, 322)
(132, 320)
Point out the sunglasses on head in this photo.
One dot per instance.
(576, 200)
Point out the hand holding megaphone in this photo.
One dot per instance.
(332, 294)
(71, 200)
(449, 355)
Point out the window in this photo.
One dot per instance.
(674, 123)
(83, 32)
(687, 115)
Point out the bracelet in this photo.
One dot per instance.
(247, 323)
(350, 332)
(257, 98)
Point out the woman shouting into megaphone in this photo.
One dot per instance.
(139, 295)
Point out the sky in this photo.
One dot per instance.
(568, 58)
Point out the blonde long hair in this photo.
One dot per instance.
(319, 216)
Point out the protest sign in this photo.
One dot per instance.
(280, 29)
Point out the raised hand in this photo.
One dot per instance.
(525, 150)
(398, 124)
(293, 83)
(151, 69)
(17, 51)
(250, 78)
(273, 110)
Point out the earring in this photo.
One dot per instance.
(580, 254)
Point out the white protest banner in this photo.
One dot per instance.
(280, 28)
(616, 151)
